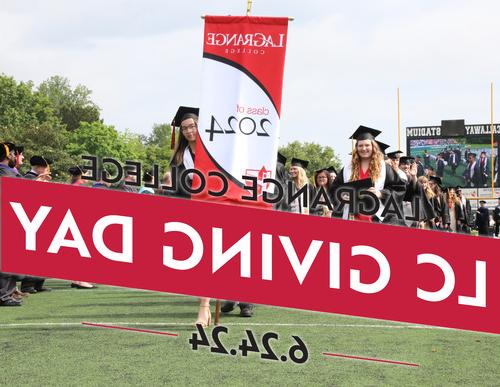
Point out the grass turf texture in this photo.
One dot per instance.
(74, 354)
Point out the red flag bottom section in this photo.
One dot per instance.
(247, 254)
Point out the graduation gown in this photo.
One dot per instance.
(441, 210)
(388, 183)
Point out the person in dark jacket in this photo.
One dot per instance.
(440, 163)
(496, 218)
(186, 119)
(482, 218)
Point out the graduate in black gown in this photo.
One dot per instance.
(367, 162)
(186, 119)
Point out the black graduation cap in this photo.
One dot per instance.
(75, 171)
(394, 155)
(39, 161)
(482, 201)
(365, 133)
(473, 154)
(176, 122)
(181, 112)
(382, 146)
(458, 188)
(332, 169)
(321, 170)
(281, 158)
(436, 179)
(406, 160)
(445, 189)
(299, 163)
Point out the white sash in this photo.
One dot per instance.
(188, 161)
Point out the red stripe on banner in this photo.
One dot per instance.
(370, 359)
(130, 329)
(259, 256)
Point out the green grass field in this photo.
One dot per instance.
(43, 343)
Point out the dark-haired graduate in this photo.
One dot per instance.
(323, 181)
(186, 119)
(367, 162)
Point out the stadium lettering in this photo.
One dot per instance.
(428, 131)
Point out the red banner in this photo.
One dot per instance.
(239, 123)
(238, 253)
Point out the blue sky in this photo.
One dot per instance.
(344, 61)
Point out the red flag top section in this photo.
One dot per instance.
(255, 44)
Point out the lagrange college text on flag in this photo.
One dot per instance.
(239, 123)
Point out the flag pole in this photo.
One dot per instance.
(249, 7)
(492, 141)
(399, 125)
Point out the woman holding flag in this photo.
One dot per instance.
(186, 119)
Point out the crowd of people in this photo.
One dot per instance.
(476, 171)
(416, 189)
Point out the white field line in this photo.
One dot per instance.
(145, 323)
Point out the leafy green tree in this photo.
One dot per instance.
(27, 118)
(96, 139)
(318, 156)
(132, 147)
(158, 146)
(72, 106)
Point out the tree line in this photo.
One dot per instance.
(62, 123)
